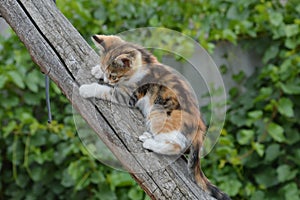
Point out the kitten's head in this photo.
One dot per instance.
(119, 59)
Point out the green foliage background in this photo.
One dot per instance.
(258, 155)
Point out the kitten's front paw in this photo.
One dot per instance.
(86, 91)
(97, 72)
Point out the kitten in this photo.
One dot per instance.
(133, 77)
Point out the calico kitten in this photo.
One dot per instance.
(135, 78)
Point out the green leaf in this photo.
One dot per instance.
(10, 102)
(271, 53)
(276, 18)
(229, 35)
(104, 193)
(77, 169)
(22, 180)
(291, 43)
(291, 30)
(291, 191)
(38, 140)
(32, 81)
(97, 177)
(135, 193)
(266, 178)
(245, 136)
(67, 180)
(256, 114)
(292, 136)
(37, 173)
(258, 195)
(285, 107)
(264, 93)
(3, 80)
(276, 132)
(232, 12)
(259, 148)
(231, 186)
(120, 180)
(284, 173)
(9, 128)
(290, 88)
(272, 152)
(17, 79)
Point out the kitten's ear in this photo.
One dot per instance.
(130, 60)
(99, 42)
(105, 42)
(123, 61)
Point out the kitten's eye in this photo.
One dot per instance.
(113, 76)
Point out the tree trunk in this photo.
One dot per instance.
(59, 50)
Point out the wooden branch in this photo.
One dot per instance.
(60, 51)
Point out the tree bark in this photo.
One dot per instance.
(59, 50)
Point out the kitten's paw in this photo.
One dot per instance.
(145, 136)
(97, 72)
(87, 91)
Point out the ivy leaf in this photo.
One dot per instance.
(37, 174)
(272, 152)
(291, 43)
(17, 79)
(120, 180)
(285, 107)
(245, 136)
(290, 88)
(284, 173)
(66, 179)
(32, 81)
(259, 148)
(258, 195)
(276, 18)
(135, 193)
(291, 191)
(231, 187)
(3, 80)
(256, 114)
(266, 178)
(271, 53)
(7, 130)
(291, 30)
(276, 132)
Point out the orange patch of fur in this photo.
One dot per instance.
(162, 123)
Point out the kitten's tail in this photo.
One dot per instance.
(196, 172)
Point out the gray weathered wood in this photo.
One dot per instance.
(60, 51)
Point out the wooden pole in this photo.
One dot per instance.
(60, 52)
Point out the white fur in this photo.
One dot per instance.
(138, 75)
(97, 72)
(163, 143)
(173, 136)
(144, 105)
(105, 79)
(95, 90)
(146, 135)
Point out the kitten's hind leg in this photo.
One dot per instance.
(145, 136)
(172, 143)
